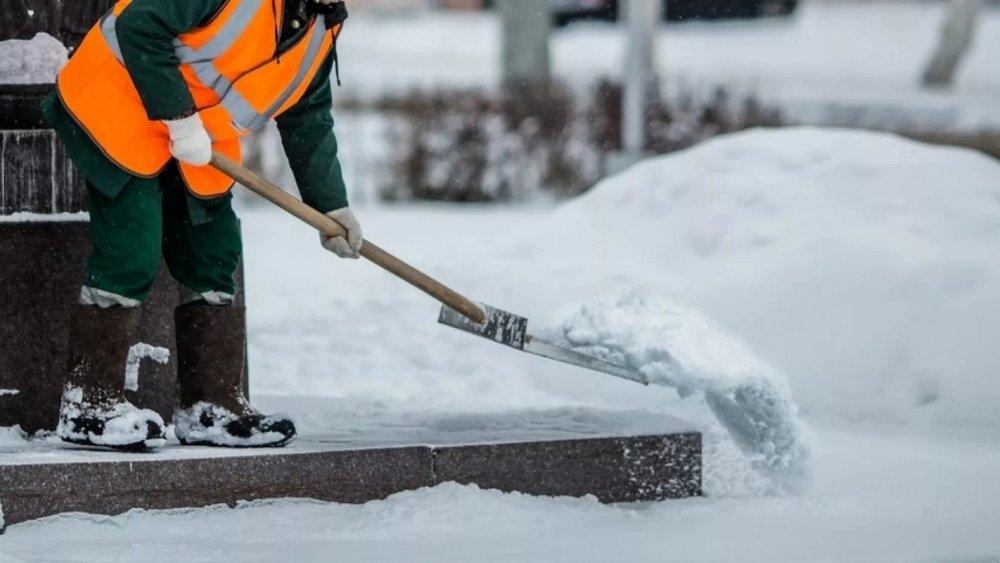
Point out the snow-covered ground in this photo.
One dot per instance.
(861, 267)
(880, 495)
(849, 61)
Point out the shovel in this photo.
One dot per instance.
(456, 311)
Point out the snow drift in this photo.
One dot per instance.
(859, 265)
(863, 265)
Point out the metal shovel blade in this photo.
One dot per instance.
(512, 330)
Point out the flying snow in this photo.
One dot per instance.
(678, 347)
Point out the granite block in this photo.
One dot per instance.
(42, 269)
(21, 105)
(611, 469)
(36, 176)
(36, 490)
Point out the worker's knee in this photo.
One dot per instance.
(126, 234)
(127, 271)
(204, 260)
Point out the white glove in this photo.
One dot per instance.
(189, 141)
(349, 247)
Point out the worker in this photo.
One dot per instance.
(154, 88)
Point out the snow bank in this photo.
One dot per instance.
(859, 265)
(681, 348)
(877, 509)
(32, 61)
(863, 265)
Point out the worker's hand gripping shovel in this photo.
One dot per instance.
(456, 311)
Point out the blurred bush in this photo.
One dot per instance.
(682, 119)
(534, 141)
(469, 146)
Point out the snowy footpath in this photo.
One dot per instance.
(852, 277)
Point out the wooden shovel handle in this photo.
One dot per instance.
(329, 227)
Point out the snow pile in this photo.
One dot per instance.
(136, 353)
(32, 61)
(749, 398)
(863, 265)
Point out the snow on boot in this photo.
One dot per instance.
(211, 346)
(208, 424)
(94, 410)
(114, 424)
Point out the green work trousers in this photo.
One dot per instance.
(148, 219)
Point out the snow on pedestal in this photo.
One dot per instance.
(32, 61)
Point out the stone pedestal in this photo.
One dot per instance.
(43, 244)
(39, 284)
(35, 175)
(613, 469)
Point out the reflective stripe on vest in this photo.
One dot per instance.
(231, 30)
(244, 116)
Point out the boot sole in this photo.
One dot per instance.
(278, 444)
(138, 447)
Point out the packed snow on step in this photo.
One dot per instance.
(12, 436)
(31, 61)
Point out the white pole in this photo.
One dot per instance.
(956, 38)
(525, 29)
(641, 18)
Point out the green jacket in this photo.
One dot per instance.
(145, 32)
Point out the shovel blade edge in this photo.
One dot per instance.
(500, 326)
(546, 349)
(512, 330)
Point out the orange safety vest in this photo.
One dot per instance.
(232, 68)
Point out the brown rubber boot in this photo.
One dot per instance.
(94, 410)
(211, 345)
